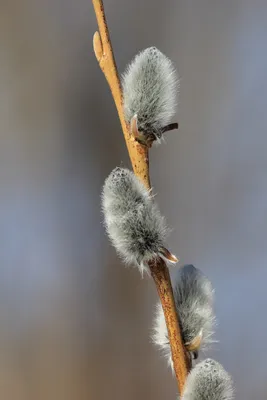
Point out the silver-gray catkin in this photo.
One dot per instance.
(132, 219)
(208, 380)
(150, 87)
(193, 296)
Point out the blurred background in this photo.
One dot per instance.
(74, 323)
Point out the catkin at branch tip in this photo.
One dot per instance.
(208, 380)
(150, 87)
(193, 296)
(132, 219)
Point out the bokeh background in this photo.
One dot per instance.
(74, 323)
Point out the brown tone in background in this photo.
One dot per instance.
(74, 323)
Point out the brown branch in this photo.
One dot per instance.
(140, 162)
(180, 358)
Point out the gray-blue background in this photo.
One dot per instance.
(74, 323)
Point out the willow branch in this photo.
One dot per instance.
(104, 54)
(140, 163)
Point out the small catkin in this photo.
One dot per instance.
(132, 219)
(193, 296)
(208, 380)
(150, 86)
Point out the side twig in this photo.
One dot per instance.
(140, 163)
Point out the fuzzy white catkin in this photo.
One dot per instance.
(150, 86)
(208, 380)
(193, 296)
(132, 219)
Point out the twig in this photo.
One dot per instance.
(140, 162)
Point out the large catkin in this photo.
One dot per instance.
(150, 88)
(132, 219)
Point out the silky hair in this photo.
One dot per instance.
(208, 380)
